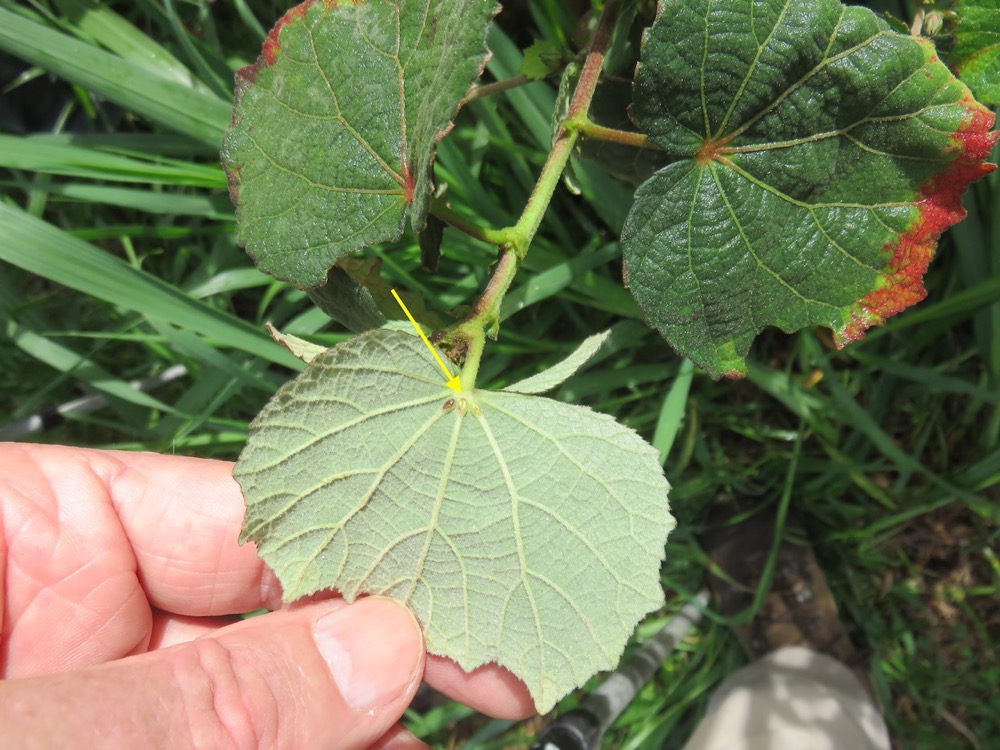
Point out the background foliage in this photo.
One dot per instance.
(117, 263)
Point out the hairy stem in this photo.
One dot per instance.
(489, 89)
(466, 338)
(590, 129)
(491, 236)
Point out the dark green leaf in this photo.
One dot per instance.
(819, 156)
(336, 125)
(347, 302)
(430, 243)
(541, 59)
(976, 55)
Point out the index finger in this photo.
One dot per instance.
(181, 517)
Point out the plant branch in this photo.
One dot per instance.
(488, 89)
(451, 217)
(555, 164)
(590, 129)
(466, 338)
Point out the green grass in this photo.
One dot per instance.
(117, 262)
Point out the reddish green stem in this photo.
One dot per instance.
(467, 337)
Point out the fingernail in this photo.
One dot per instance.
(373, 648)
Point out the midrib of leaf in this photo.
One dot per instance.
(750, 70)
(750, 248)
(483, 397)
(432, 524)
(262, 218)
(390, 172)
(826, 61)
(845, 132)
(810, 206)
(690, 238)
(393, 371)
(753, 251)
(313, 183)
(516, 522)
(365, 499)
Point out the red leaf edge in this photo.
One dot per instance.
(272, 45)
(939, 202)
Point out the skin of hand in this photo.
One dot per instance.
(119, 576)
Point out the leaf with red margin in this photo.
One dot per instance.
(940, 204)
(336, 125)
(817, 155)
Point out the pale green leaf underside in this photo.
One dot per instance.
(528, 534)
(304, 350)
(561, 371)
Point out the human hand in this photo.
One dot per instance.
(119, 573)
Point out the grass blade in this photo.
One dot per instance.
(182, 108)
(41, 249)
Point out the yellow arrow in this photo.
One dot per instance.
(453, 382)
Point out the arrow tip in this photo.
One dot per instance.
(455, 384)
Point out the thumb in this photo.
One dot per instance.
(327, 675)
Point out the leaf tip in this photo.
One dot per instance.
(272, 44)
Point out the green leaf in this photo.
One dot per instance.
(301, 349)
(542, 59)
(519, 530)
(561, 371)
(20, 152)
(976, 55)
(336, 126)
(818, 157)
(50, 253)
(347, 301)
(95, 20)
(356, 296)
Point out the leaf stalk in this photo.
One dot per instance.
(590, 129)
(488, 89)
(447, 214)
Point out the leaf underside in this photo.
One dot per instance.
(976, 54)
(518, 529)
(336, 125)
(818, 155)
(560, 372)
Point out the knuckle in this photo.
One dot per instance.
(228, 700)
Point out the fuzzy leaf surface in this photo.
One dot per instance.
(560, 372)
(976, 55)
(519, 530)
(818, 155)
(301, 349)
(336, 125)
